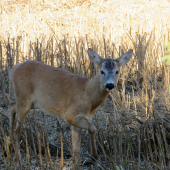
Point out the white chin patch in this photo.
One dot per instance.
(109, 89)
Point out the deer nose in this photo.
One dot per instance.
(109, 86)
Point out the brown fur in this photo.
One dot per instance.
(60, 92)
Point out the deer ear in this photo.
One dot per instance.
(94, 57)
(125, 57)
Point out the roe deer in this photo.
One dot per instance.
(60, 92)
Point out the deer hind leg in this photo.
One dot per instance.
(22, 111)
(13, 110)
(17, 117)
(83, 123)
(23, 107)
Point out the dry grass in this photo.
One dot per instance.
(133, 124)
(33, 19)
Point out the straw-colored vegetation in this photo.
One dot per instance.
(133, 125)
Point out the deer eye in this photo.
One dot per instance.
(117, 72)
(102, 72)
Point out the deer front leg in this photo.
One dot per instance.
(76, 143)
(81, 122)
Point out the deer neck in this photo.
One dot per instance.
(96, 92)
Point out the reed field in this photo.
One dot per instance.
(133, 124)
